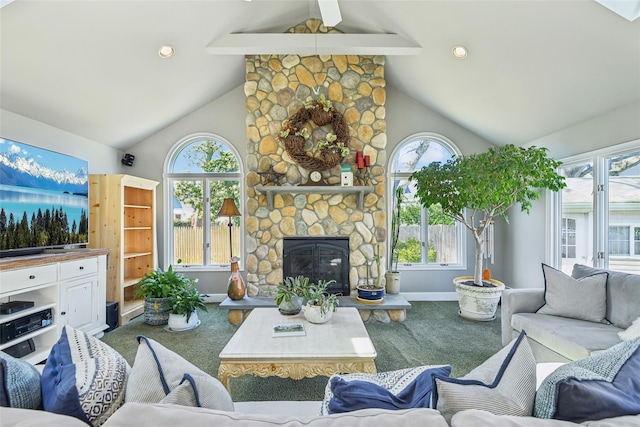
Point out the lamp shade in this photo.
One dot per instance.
(229, 208)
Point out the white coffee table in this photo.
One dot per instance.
(341, 345)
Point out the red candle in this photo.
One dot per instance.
(358, 155)
(367, 161)
(360, 162)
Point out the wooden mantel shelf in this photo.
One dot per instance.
(270, 190)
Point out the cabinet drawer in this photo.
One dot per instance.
(27, 277)
(81, 267)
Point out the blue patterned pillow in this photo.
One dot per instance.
(84, 378)
(604, 385)
(19, 383)
(403, 388)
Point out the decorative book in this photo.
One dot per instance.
(288, 330)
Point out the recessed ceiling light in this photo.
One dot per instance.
(459, 52)
(166, 51)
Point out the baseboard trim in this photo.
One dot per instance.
(410, 296)
(430, 296)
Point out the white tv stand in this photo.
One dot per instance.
(70, 282)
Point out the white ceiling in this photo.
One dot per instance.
(534, 67)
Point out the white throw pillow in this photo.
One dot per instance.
(631, 332)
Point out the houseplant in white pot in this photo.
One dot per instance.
(183, 305)
(320, 305)
(290, 294)
(477, 188)
(392, 276)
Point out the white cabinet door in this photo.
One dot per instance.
(77, 306)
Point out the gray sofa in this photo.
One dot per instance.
(563, 339)
(290, 414)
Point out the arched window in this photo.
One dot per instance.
(427, 238)
(201, 171)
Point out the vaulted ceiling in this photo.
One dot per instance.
(534, 66)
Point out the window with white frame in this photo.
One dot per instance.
(602, 198)
(201, 171)
(427, 239)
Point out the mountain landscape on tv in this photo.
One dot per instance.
(17, 170)
(44, 198)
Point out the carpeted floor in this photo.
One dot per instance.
(432, 334)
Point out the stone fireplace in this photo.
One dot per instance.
(276, 87)
(318, 258)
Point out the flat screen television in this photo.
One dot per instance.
(44, 200)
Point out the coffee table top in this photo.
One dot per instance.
(344, 336)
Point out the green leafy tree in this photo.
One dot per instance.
(487, 184)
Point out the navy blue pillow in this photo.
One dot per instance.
(605, 385)
(582, 400)
(83, 378)
(357, 394)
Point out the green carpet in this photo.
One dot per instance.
(432, 334)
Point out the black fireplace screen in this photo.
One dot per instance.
(318, 258)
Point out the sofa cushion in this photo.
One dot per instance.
(16, 417)
(631, 332)
(479, 418)
(601, 386)
(402, 389)
(623, 294)
(572, 338)
(159, 375)
(504, 384)
(173, 415)
(584, 299)
(83, 378)
(19, 383)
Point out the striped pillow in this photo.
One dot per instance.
(159, 375)
(505, 384)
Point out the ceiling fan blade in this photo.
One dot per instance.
(330, 12)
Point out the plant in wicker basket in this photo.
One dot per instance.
(331, 150)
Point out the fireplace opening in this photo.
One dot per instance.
(318, 258)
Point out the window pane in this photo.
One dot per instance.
(577, 214)
(619, 240)
(187, 222)
(624, 212)
(205, 155)
(220, 229)
(410, 237)
(418, 153)
(443, 243)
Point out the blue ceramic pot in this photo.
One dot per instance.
(370, 294)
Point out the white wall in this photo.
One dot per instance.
(525, 245)
(101, 158)
(225, 117)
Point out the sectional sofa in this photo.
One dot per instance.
(584, 320)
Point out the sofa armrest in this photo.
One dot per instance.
(514, 301)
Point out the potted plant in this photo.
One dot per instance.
(290, 293)
(155, 287)
(392, 275)
(320, 305)
(372, 292)
(183, 304)
(477, 188)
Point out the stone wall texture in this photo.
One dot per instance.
(276, 87)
